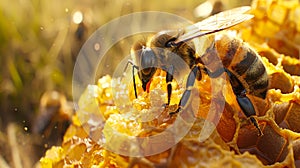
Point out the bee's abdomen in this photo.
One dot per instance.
(257, 78)
(244, 63)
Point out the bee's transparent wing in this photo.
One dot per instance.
(215, 23)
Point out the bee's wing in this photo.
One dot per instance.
(215, 23)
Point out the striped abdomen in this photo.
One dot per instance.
(243, 62)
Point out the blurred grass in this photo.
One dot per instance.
(39, 43)
(29, 55)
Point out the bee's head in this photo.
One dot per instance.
(160, 51)
(147, 62)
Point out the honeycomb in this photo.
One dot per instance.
(275, 34)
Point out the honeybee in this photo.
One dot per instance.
(54, 111)
(222, 54)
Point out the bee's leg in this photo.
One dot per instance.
(243, 101)
(248, 109)
(193, 75)
(133, 78)
(169, 79)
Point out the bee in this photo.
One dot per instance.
(54, 111)
(222, 54)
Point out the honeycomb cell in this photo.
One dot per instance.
(293, 117)
(294, 15)
(282, 81)
(283, 45)
(271, 147)
(280, 110)
(227, 125)
(291, 65)
(273, 58)
(296, 149)
(277, 13)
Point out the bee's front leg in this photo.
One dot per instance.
(193, 75)
(133, 78)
